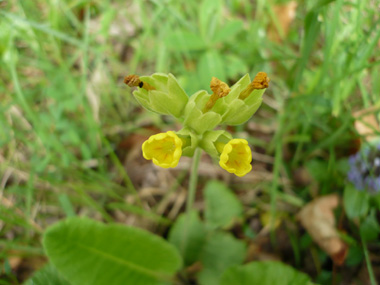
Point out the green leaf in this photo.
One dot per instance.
(188, 235)
(222, 206)
(47, 275)
(355, 256)
(317, 169)
(235, 66)
(209, 16)
(228, 32)
(369, 228)
(264, 273)
(356, 203)
(220, 252)
(89, 252)
(184, 41)
(211, 64)
(376, 200)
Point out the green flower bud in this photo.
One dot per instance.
(223, 105)
(245, 99)
(213, 142)
(165, 96)
(237, 88)
(190, 139)
(241, 111)
(195, 118)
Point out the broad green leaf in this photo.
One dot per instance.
(220, 252)
(188, 235)
(356, 203)
(47, 275)
(264, 273)
(210, 64)
(184, 41)
(222, 206)
(89, 252)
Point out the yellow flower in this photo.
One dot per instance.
(236, 157)
(165, 149)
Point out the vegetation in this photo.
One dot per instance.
(71, 136)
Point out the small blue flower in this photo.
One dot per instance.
(364, 170)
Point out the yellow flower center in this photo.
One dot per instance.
(165, 150)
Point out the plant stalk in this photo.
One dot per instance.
(191, 196)
(193, 180)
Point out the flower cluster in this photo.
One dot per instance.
(364, 170)
(200, 114)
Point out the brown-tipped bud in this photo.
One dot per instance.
(261, 81)
(219, 89)
(134, 81)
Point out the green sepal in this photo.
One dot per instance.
(158, 80)
(192, 141)
(237, 88)
(161, 101)
(240, 112)
(210, 138)
(254, 97)
(169, 98)
(142, 96)
(195, 118)
(177, 95)
(222, 105)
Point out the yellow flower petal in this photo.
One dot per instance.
(236, 157)
(164, 149)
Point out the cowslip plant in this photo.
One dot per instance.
(200, 114)
(87, 252)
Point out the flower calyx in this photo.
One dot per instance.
(261, 81)
(220, 89)
(159, 93)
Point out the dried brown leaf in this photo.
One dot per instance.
(285, 15)
(319, 220)
(367, 124)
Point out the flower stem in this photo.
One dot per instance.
(193, 180)
(371, 274)
(190, 198)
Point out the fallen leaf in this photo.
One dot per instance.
(318, 219)
(367, 124)
(285, 15)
